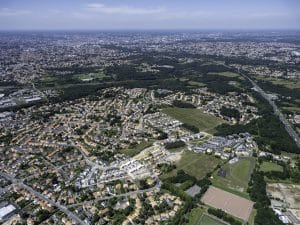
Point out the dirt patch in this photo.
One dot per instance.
(230, 203)
(174, 157)
(288, 193)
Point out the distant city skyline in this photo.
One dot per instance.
(155, 14)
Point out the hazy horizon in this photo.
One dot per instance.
(149, 15)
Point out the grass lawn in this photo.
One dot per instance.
(195, 216)
(60, 80)
(252, 217)
(290, 154)
(98, 75)
(287, 83)
(227, 74)
(194, 164)
(195, 83)
(283, 82)
(207, 220)
(292, 109)
(237, 177)
(196, 117)
(137, 149)
(49, 79)
(270, 166)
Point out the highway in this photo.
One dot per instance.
(277, 112)
(44, 198)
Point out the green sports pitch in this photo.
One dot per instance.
(208, 220)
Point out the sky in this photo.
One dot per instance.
(148, 14)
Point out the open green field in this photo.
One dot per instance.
(270, 166)
(290, 154)
(195, 216)
(196, 117)
(252, 217)
(208, 220)
(90, 76)
(277, 81)
(195, 83)
(292, 109)
(198, 216)
(137, 149)
(227, 74)
(237, 177)
(72, 78)
(194, 164)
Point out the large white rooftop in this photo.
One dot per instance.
(6, 210)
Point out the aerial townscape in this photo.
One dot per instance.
(157, 127)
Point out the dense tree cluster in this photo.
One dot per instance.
(6, 139)
(42, 215)
(191, 128)
(288, 171)
(81, 130)
(257, 192)
(165, 168)
(118, 216)
(231, 113)
(224, 216)
(268, 131)
(107, 156)
(175, 144)
(280, 89)
(181, 104)
(186, 181)
(189, 203)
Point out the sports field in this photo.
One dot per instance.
(230, 203)
(198, 216)
(207, 220)
(195, 164)
(195, 117)
(237, 176)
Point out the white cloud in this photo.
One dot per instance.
(129, 10)
(13, 12)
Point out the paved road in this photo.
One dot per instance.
(277, 112)
(43, 197)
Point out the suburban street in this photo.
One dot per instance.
(43, 197)
(64, 208)
(157, 186)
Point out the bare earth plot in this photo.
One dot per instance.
(287, 192)
(289, 196)
(229, 203)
